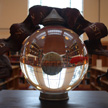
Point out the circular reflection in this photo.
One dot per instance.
(51, 63)
(54, 59)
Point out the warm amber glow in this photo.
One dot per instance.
(68, 88)
(43, 37)
(85, 62)
(23, 60)
(37, 31)
(38, 88)
(32, 46)
(66, 38)
(27, 43)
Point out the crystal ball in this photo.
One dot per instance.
(54, 59)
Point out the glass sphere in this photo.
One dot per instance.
(54, 59)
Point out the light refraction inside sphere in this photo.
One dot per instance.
(51, 63)
(54, 59)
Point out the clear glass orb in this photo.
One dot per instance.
(54, 59)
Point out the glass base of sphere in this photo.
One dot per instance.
(53, 97)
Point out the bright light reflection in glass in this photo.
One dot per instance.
(66, 38)
(54, 32)
(31, 74)
(76, 76)
(85, 70)
(55, 81)
(38, 88)
(41, 35)
(22, 67)
(68, 35)
(68, 88)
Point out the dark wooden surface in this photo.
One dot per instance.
(30, 99)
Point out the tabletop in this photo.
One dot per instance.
(30, 99)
